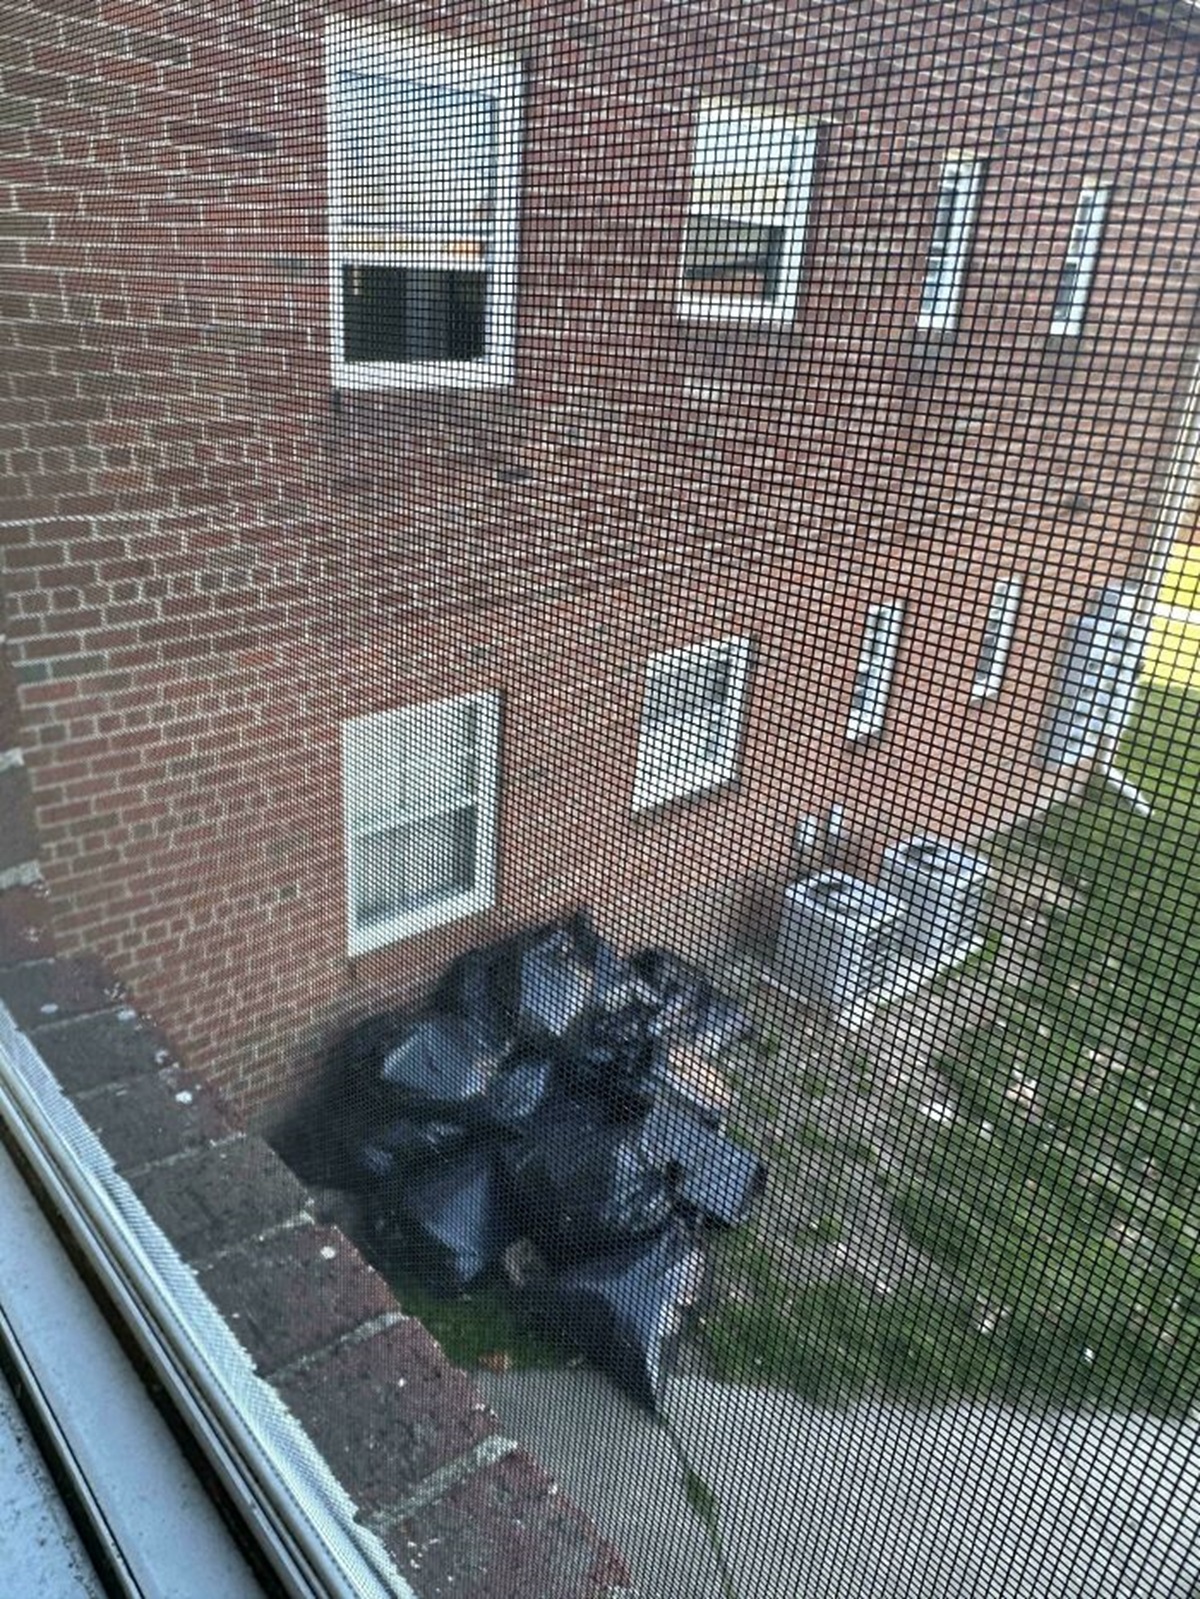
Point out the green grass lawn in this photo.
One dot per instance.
(1063, 1201)
(1080, 1215)
(483, 1325)
(1072, 1207)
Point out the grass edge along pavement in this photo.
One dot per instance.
(1060, 1196)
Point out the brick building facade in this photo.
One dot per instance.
(946, 351)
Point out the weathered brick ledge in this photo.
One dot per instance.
(462, 1510)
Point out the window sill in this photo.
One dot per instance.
(365, 940)
(648, 800)
(936, 328)
(690, 309)
(424, 375)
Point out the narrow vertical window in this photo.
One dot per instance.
(419, 794)
(424, 156)
(1079, 264)
(949, 247)
(691, 721)
(873, 674)
(743, 242)
(997, 639)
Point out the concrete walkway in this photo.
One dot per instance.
(871, 1502)
(621, 1466)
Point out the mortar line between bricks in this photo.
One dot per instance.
(42, 960)
(356, 1335)
(178, 1156)
(261, 1235)
(51, 1024)
(84, 1096)
(85, 520)
(439, 1482)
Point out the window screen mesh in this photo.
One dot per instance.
(790, 1124)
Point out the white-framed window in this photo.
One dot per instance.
(691, 721)
(873, 674)
(953, 223)
(1079, 264)
(751, 183)
(997, 638)
(424, 189)
(419, 789)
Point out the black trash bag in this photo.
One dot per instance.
(322, 1135)
(679, 991)
(565, 972)
(626, 1309)
(401, 1143)
(516, 1091)
(356, 1054)
(613, 1059)
(556, 985)
(579, 1183)
(538, 982)
(447, 1220)
(441, 1068)
(477, 988)
(713, 1178)
(686, 1005)
(617, 985)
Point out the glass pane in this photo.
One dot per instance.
(687, 690)
(439, 859)
(439, 752)
(411, 314)
(417, 158)
(997, 633)
(674, 751)
(1068, 288)
(943, 247)
(413, 764)
(289, 456)
(728, 256)
(402, 869)
(741, 174)
(742, 165)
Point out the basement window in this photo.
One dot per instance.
(420, 810)
(997, 639)
(691, 721)
(751, 183)
(1079, 265)
(873, 674)
(954, 220)
(424, 141)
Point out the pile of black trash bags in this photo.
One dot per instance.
(533, 1099)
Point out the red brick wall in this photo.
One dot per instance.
(211, 561)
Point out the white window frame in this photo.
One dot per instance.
(664, 772)
(367, 810)
(1079, 262)
(875, 670)
(443, 64)
(781, 308)
(961, 178)
(997, 640)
